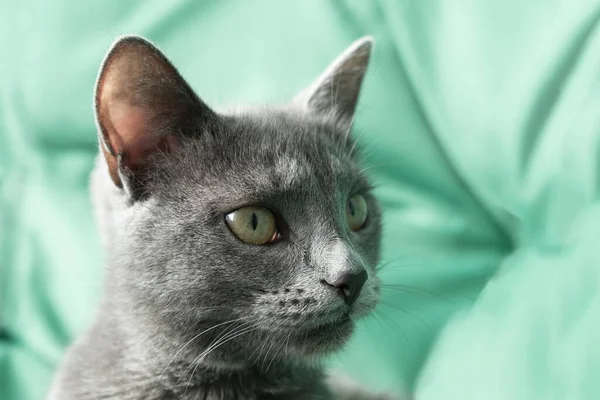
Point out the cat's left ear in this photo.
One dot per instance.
(334, 94)
(143, 107)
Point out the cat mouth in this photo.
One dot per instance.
(328, 332)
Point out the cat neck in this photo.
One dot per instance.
(274, 381)
(147, 356)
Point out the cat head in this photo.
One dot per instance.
(257, 223)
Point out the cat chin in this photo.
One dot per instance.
(320, 341)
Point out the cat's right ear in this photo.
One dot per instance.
(143, 106)
(335, 93)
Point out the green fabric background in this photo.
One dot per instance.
(481, 124)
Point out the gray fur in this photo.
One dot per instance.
(178, 281)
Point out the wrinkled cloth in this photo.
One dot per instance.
(480, 126)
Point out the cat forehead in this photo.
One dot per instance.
(289, 170)
(263, 154)
(286, 143)
(281, 123)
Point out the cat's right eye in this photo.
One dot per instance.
(253, 225)
(356, 212)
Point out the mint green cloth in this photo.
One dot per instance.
(480, 121)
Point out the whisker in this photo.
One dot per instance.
(401, 267)
(347, 133)
(240, 332)
(403, 310)
(209, 350)
(399, 259)
(268, 350)
(415, 290)
(383, 316)
(190, 341)
(284, 342)
(262, 347)
(356, 140)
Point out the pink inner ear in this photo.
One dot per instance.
(137, 89)
(128, 130)
(131, 124)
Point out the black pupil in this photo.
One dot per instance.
(351, 207)
(254, 221)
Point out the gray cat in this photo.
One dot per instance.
(241, 245)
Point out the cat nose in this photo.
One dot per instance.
(348, 285)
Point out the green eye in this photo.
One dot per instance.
(253, 225)
(356, 212)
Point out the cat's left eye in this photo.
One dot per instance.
(253, 225)
(356, 212)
